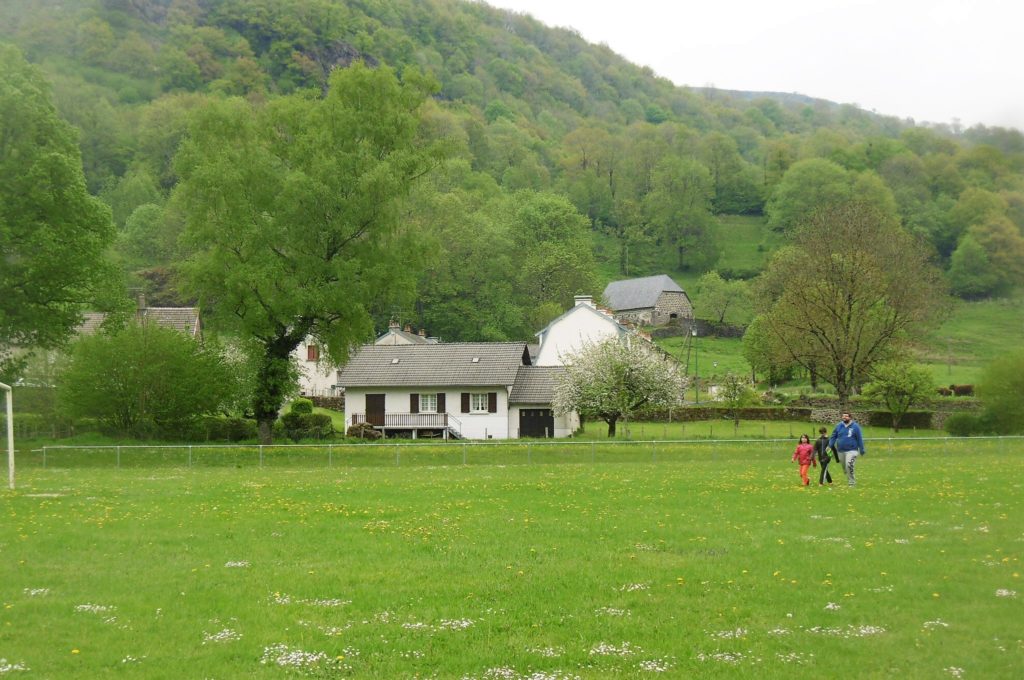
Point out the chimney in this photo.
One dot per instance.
(583, 300)
(408, 328)
(423, 332)
(393, 325)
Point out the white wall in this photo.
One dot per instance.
(472, 425)
(581, 325)
(316, 378)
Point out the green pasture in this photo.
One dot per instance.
(596, 560)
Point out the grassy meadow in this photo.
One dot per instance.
(956, 352)
(688, 560)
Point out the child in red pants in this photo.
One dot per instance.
(805, 455)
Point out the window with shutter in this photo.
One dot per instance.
(465, 402)
(312, 353)
(441, 408)
(479, 402)
(492, 402)
(414, 403)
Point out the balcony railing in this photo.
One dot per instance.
(405, 420)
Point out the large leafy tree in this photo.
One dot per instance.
(53, 234)
(678, 210)
(848, 293)
(719, 298)
(612, 380)
(899, 385)
(292, 214)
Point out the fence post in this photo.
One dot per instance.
(330, 455)
(397, 458)
(190, 455)
(528, 452)
(118, 456)
(261, 455)
(463, 453)
(44, 456)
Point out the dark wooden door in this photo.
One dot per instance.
(375, 409)
(536, 422)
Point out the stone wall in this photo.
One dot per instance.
(333, 403)
(669, 303)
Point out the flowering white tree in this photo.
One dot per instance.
(611, 380)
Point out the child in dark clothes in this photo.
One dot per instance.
(821, 449)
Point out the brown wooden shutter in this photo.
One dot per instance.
(440, 402)
(465, 402)
(414, 403)
(492, 402)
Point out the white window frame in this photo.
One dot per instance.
(479, 402)
(428, 403)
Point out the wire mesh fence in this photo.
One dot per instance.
(510, 452)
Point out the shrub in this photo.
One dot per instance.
(363, 431)
(964, 424)
(307, 425)
(145, 380)
(1001, 390)
(302, 406)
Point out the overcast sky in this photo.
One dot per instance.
(930, 60)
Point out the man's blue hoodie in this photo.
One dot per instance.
(847, 437)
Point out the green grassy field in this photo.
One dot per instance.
(699, 561)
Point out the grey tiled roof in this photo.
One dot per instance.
(638, 293)
(91, 322)
(535, 384)
(435, 365)
(183, 319)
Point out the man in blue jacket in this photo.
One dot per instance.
(848, 441)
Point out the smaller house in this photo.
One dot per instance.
(648, 301)
(581, 325)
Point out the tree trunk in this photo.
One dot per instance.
(273, 383)
(264, 429)
(611, 426)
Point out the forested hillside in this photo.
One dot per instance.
(550, 146)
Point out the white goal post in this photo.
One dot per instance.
(10, 433)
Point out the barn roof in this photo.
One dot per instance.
(639, 293)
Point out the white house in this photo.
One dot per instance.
(318, 377)
(584, 324)
(474, 390)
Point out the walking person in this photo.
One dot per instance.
(822, 451)
(804, 454)
(848, 442)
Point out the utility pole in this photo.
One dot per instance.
(696, 369)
